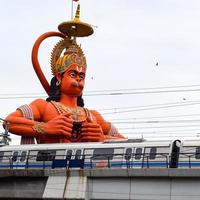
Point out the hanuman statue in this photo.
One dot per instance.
(62, 118)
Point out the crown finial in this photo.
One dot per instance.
(76, 27)
(77, 16)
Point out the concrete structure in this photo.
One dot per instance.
(136, 184)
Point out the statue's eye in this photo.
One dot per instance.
(82, 76)
(72, 74)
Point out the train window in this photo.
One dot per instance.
(153, 152)
(69, 154)
(128, 154)
(103, 154)
(15, 156)
(1, 155)
(46, 155)
(197, 153)
(78, 154)
(23, 156)
(138, 154)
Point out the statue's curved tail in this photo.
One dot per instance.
(35, 62)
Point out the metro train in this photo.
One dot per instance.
(126, 153)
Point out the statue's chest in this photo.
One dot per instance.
(78, 114)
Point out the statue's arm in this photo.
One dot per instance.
(34, 125)
(109, 130)
(20, 124)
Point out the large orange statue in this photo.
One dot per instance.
(62, 118)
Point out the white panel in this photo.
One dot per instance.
(7, 156)
(60, 154)
(54, 187)
(109, 188)
(76, 187)
(185, 189)
(151, 189)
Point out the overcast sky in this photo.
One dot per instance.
(137, 44)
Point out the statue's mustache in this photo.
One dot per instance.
(77, 84)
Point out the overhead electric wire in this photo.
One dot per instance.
(149, 127)
(21, 97)
(146, 88)
(153, 108)
(151, 105)
(109, 92)
(157, 122)
(141, 92)
(164, 135)
(159, 134)
(22, 94)
(154, 117)
(162, 131)
(128, 107)
(171, 136)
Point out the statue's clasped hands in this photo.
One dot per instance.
(91, 132)
(60, 125)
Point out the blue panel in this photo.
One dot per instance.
(59, 163)
(78, 163)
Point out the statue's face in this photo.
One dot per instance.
(72, 82)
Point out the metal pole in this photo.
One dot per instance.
(72, 11)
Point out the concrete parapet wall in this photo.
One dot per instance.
(140, 184)
(105, 172)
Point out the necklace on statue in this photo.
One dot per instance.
(75, 112)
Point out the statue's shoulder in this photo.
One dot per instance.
(94, 112)
(39, 107)
(39, 103)
(96, 115)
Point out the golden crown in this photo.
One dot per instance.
(73, 55)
